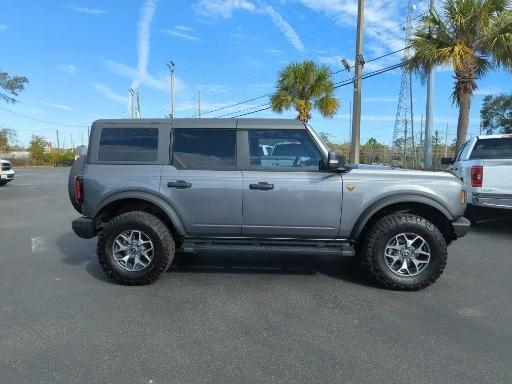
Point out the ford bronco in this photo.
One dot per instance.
(150, 187)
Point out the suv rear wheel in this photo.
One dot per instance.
(135, 248)
(405, 252)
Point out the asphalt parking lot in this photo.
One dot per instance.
(229, 319)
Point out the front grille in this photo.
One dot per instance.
(6, 167)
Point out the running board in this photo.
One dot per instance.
(267, 247)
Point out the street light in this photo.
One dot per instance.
(171, 67)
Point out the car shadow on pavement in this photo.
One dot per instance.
(80, 252)
(342, 268)
(498, 225)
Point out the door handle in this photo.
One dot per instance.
(264, 186)
(180, 184)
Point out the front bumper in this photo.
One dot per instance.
(7, 175)
(461, 227)
(84, 227)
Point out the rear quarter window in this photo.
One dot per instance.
(128, 144)
(499, 148)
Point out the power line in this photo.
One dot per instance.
(339, 85)
(243, 110)
(248, 113)
(42, 121)
(332, 73)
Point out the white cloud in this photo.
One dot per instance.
(381, 99)
(70, 69)
(488, 90)
(183, 28)
(158, 83)
(3, 27)
(222, 8)
(143, 42)
(109, 93)
(183, 35)
(275, 52)
(62, 107)
(226, 8)
(285, 28)
(381, 18)
(90, 11)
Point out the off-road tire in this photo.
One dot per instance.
(378, 235)
(159, 235)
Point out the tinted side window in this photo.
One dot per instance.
(128, 144)
(213, 149)
(492, 149)
(283, 149)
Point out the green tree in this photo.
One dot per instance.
(305, 86)
(7, 139)
(11, 86)
(471, 36)
(37, 151)
(496, 114)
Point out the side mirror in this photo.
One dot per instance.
(446, 160)
(335, 160)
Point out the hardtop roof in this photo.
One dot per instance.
(232, 123)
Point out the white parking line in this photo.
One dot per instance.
(38, 244)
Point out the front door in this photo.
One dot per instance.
(285, 194)
(202, 182)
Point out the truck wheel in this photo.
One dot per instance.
(404, 252)
(3, 182)
(135, 248)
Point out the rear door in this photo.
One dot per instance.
(203, 182)
(284, 192)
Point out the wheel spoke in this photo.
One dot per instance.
(133, 250)
(404, 268)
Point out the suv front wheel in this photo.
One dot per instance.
(404, 251)
(135, 248)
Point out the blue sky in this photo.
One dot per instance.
(82, 56)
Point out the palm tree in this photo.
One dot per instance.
(473, 37)
(305, 86)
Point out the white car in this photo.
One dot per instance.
(484, 164)
(6, 172)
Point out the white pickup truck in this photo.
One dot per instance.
(484, 164)
(6, 172)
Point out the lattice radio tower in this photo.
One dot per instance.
(403, 150)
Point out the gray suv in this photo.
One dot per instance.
(151, 187)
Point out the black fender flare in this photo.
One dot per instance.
(390, 200)
(149, 197)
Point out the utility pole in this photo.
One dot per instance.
(138, 106)
(171, 67)
(427, 155)
(132, 93)
(199, 103)
(446, 141)
(436, 143)
(88, 133)
(58, 143)
(359, 62)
